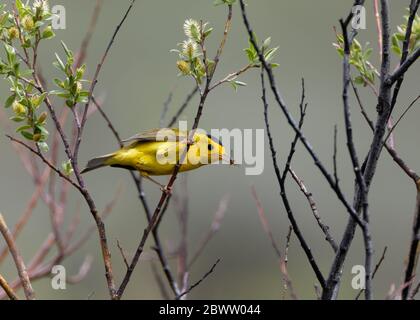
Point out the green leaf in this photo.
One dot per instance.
(42, 130)
(36, 102)
(11, 54)
(10, 101)
(395, 40)
(59, 83)
(340, 52)
(207, 32)
(251, 54)
(80, 72)
(234, 85)
(400, 37)
(397, 50)
(18, 119)
(270, 53)
(19, 6)
(48, 33)
(368, 53)
(68, 52)
(195, 33)
(70, 103)
(27, 135)
(25, 127)
(359, 80)
(59, 63)
(27, 72)
(61, 94)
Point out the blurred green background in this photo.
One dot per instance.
(135, 82)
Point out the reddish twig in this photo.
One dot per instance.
(267, 229)
(20, 265)
(214, 228)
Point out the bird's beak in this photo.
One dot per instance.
(226, 159)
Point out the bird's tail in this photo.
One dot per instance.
(98, 162)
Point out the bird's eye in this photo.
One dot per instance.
(210, 147)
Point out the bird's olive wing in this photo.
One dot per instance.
(156, 135)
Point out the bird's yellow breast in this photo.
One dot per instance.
(152, 157)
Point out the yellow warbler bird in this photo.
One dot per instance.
(157, 151)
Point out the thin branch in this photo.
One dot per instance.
(24, 218)
(84, 192)
(282, 259)
(325, 229)
(281, 183)
(123, 255)
(9, 290)
(138, 183)
(264, 222)
(108, 121)
(392, 152)
(103, 215)
(403, 68)
(232, 76)
(214, 228)
(302, 109)
(83, 271)
(165, 108)
(74, 161)
(187, 101)
(335, 156)
(96, 75)
(157, 213)
(414, 251)
(292, 122)
(182, 252)
(401, 117)
(355, 162)
(369, 167)
(414, 5)
(283, 266)
(45, 160)
(208, 273)
(20, 265)
(159, 281)
(375, 270)
(81, 56)
(415, 291)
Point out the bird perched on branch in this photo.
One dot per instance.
(157, 152)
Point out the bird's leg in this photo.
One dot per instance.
(163, 188)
